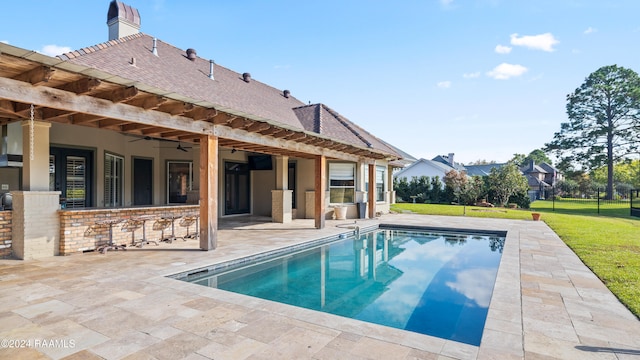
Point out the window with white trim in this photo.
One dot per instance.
(342, 183)
(113, 180)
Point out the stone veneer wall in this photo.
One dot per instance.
(5, 234)
(79, 232)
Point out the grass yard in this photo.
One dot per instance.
(608, 245)
(582, 207)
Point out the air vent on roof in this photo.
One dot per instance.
(191, 54)
(155, 47)
(246, 77)
(286, 93)
(211, 63)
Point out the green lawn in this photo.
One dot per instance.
(608, 245)
(582, 207)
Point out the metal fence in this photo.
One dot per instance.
(622, 200)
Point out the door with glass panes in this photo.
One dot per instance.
(71, 173)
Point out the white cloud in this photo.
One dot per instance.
(544, 42)
(505, 71)
(444, 84)
(446, 2)
(4, 41)
(53, 50)
(472, 284)
(501, 49)
(472, 75)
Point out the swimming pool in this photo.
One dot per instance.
(431, 281)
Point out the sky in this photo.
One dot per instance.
(484, 79)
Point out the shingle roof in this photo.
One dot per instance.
(131, 57)
(171, 70)
(481, 170)
(323, 120)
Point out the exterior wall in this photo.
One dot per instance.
(305, 178)
(5, 234)
(35, 226)
(262, 182)
(101, 141)
(421, 169)
(79, 231)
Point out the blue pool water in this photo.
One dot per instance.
(437, 283)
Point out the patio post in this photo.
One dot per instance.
(208, 192)
(372, 191)
(320, 188)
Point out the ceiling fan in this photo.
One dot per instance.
(179, 147)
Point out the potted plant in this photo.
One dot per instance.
(340, 212)
(535, 216)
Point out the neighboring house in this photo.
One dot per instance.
(137, 126)
(541, 179)
(440, 166)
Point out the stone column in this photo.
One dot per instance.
(36, 224)
(281, 211)
(35, 171)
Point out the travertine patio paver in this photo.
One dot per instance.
(546, 304)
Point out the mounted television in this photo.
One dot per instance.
(260, 162)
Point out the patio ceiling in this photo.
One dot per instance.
(67, 93)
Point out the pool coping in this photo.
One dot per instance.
(408, 338)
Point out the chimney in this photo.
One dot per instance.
(122, 19)
(246, 77)
(450, 159)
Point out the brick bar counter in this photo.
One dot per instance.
(80, 229)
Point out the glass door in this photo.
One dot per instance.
(71, 173)
(237, 193)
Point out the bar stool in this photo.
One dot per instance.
(161, 224)
(172, 220)
(131, 225)
(110, 245)
(144, 241)
(187, 221)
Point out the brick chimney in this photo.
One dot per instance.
(122, 19)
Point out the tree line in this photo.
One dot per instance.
(504, 185)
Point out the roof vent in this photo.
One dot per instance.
(155, 47)
(211, 63)
(286, 93)
(191, 54)
(246, 77)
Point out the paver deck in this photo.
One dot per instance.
(546, 305)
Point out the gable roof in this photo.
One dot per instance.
(171, 70)
(424, 162)
(444, 159)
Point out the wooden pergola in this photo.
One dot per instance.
(63, 92)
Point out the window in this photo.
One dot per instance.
(342, 182)
(380, 174)
(179, 181)
(113, 180)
